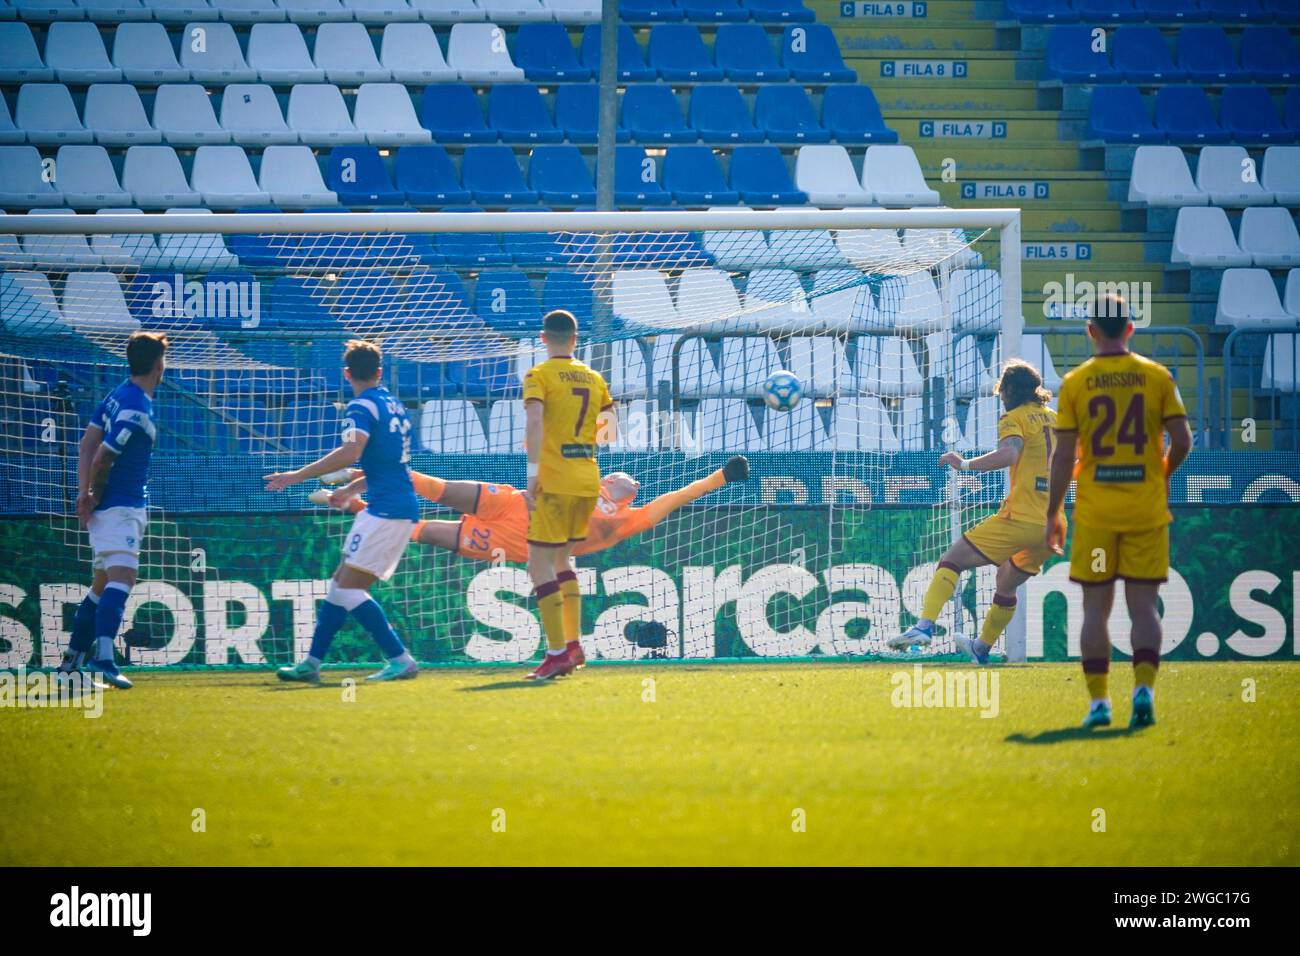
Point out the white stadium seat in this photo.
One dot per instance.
(1281, 363)
(636, 429)
(87, 179)
(248, 11)
(314, 11)
(20, 61)
(574, 11)
(292, 177)
(114, 11)
(153, 176)
(871, 250)
(799, 429)
(479, 54)
(911, 427)
(862, 424)
(893, 177)
(1291, 298)
(842, 302)
(318, 115)
(1203, 238)
(451, 427)
(93, 304)
(970, 373)
(726, 424)
(514, 11)
(1281, 174)
(57, 253)
(384, 113)
(195, 252)
(911, 303)
(899, 374)
(1033, 349)
(75, 51)
(144, 54)
(628, 372)
(827, 175)
(381, 11)
(775, 302)
(1219, 174)
(136, 250)
(346, 54)
(224, 177)
(1161, 177)
(804, 248)
(46, 113)
(977, 298)
(210, 51)
(183, 113)
(448, 11)
(640, 298)
(922, 248)
(410, 52)
(738, 250)
(250, 113)
(1247, 297)
(981, 431)
(9, 133)
(278, 52)
(1269, 236)
(696, 371)
(22, 180)
(745, 365)
(506, 426)
(817, 361)
(31, 308)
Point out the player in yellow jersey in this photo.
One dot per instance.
(1013, 538)
(568, 410)
(1114, 412)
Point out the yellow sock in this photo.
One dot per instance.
(997, 619)
(572, 595)
(939, 592)
(550, 602)
(1096, 674)
(1145, 665)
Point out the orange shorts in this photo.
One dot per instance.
(498, 529)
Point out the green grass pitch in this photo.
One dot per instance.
(475, 767)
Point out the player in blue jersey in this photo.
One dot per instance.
(112, 495)
(377, 438)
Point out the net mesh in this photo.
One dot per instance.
(825, 549)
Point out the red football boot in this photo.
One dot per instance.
(576, 657)
(553, 665)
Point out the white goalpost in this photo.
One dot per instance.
(894, 320)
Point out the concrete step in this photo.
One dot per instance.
(922, 36)
(988, 155)
(939, 67)
(989, 96)
(1000, 189)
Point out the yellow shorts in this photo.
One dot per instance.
(999, 539)
(1098, 555)
(559, 519)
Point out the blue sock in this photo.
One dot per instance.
(83, 624)
(328, 622)
(108, 619)
(371, 616)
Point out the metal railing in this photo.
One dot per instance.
(1266, 363)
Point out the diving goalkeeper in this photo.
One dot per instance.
(494, 517)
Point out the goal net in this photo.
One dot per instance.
(893, 321)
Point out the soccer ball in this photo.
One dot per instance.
(782, 391)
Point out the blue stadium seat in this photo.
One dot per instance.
(636, 179)
(1142, 56)
(493, 175)
(359, 177)
(745, 54)
(450, 111)
(786, 114)
(1043, 11)
(577, 112)
(1174, 11)
(291, 305)
(470, 248)
(677, 52)
(1283, 11)
(569, 290)
(1184, 115)
(721, 116)
(1205, 53)
(852, 115)
(760, 175)
(1249, 116)
(1238, 11)
(222, 321)
(517, 112)
(1114, 11)
(532, 248)
(1291, 109)
(428, 177)
(1269, 54)
(714, 11)
(505, 300)
(1118, 115)
(560, 176)
(780, 11)
(545, 53)
(440, 296)
(310, 429)
(818, 60)
(1071, 58)
(484, 378)
(641, 11)
(263, 250)
(652, 115)
(693, 176)
(631, 62)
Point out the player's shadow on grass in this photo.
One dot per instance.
(1067, 734)
(514, 684)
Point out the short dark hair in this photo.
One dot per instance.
(1021, 383)
(560, 323)
(144, 349)
(1110, 315)
(362, 359)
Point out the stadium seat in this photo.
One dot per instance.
(452, 113)
(738, 250)
(248, 11)
(1107, 11)
(910, 303)
(292, 177)
(411, 54)
(652, 114)
(153, 176)
(22, 180)
(114, 113)
(1248, 114)
(574, 11)
(20, 62)
(899, 374)
(9, 133)
(183, 113)
(692, 175)
(1219, 175)
(852, 115)
(517, 113)
(93, 304)
(1203, 239)
(871, 250)
(977, 294)
(745, 363)
(842, 302)
(428, 178)
(225, 179)
(182, 11)
(1291, 110)
(279, 54)
(506, 426)
(577, 112)
(726, 425)
(76, 53)
(745, 54)
(629, 377)
(1248, 297)
(631, 62)
(318, 116)
(560, 176)
(1281, 174)
(1161, 177)
(505, 300)
(1279, 365)
(1291, 298)
(218, 59)
(1183, 114)
(381, 12)
(493, 175)
(346, 54)
(649, 11)
(514, 11)
(569, 290)
(476, 52)
(546, 54)
(1042, 11)
(697, 373)
(250, 113)
(1269, 54)
(534, 248)
(451, 427)
(862, 424)
(358, 176)
(811, 55)
(1174, 11)
(144, 54)
(1071, 56)
(799, 429)
(785, 114)
(720, 115)
(775, 300)
(448, 11)
(1205, 54)
(826, 175)
(137, 250)
(714, 11)
(893, 177)
(1236, 10)
(759, 175)
(1268, 236)
(201, 252)
(708, 301)
(314, 11)
(87, 179)
(677, 52)
(46, 113)
(805, 249)
(383, 111)
(640, 298)
(780, 11)
(1142, 56)
(470, 248)
(1119, 115)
